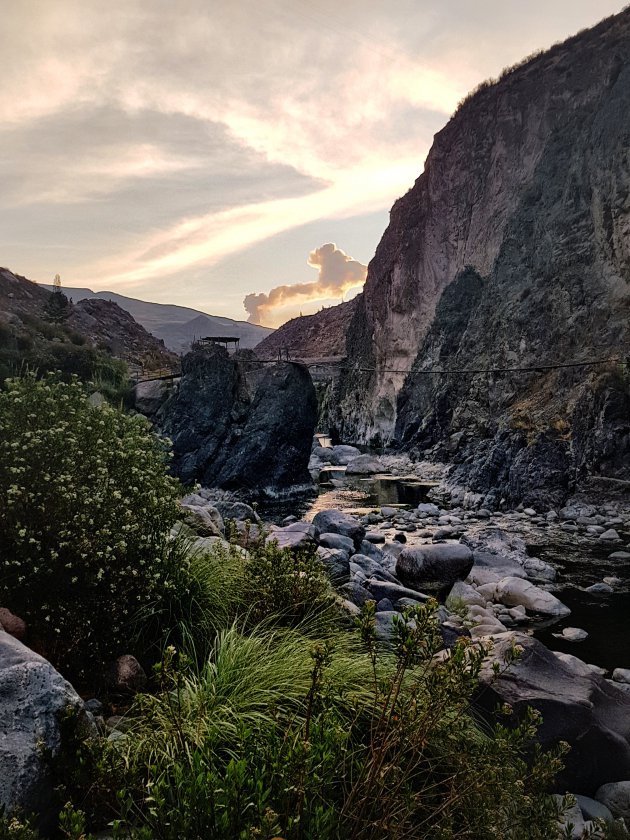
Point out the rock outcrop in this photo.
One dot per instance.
(240, 432)
(512, 250)
(34, 698)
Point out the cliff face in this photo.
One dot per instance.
(511, 250)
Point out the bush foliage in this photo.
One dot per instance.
(85, 509)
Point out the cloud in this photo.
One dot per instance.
(337, 274)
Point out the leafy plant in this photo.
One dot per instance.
(85, 509)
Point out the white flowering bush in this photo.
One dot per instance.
(85, 509)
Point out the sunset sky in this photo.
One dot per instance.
(202, 151)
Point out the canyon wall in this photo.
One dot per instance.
(512, 250)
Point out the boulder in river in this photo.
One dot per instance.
(229, 434)
(514, 592)
(435, 566)
(364, 465)
(577, 705)
(335, 522)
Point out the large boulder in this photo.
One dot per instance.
(364, 465)
(297, 535)
(334, 522)
(342, 454)
(34, 697)
(434, 566)
(150, 396)
(515, 592)
(577, 705)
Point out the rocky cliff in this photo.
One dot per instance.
(511, 251)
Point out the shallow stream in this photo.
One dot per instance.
(579, 562)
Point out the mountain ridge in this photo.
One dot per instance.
(176, 325)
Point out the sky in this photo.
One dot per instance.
(236, 156)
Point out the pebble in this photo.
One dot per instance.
(610, 536)
(599, 589)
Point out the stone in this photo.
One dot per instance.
(337, 541)
(577, 705)
(621, 675)
(573, 634)
(610, 536)
(389, 512)
(371, 550)
(513, 592)
(400, 537)
(12, 624)
(356, 593)
(593, 810)
(616, 797)
(126, 676)
(294, 537)
(434, 566)
(336, 522)
(463, 592)
(375, 537)
(385, 605)
(428, 508)
(599, 589)
(335, 562)
(372, 568)
(619, 555)
(394, 591)
(364, 465)
(571, 816)
(238, 511)
(206, 520)
(342, 454)
(149, 397)
(539, 570)
(34, 697)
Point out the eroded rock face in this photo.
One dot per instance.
(33, 699)
(231, 435)
(512, 250)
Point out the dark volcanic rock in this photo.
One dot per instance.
(509, 260)
(334, 522)
(223, 436)
(211, 397)
(273, 448)
(577, 704)
(434, 566)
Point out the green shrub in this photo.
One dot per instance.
(275, 735)
(85, 507)
(290, 586)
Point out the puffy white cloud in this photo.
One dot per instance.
(337, 274)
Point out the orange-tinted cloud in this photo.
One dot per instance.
(338, 274)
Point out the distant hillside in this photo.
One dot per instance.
(312, 336)
(177, 326)
(72, 337)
